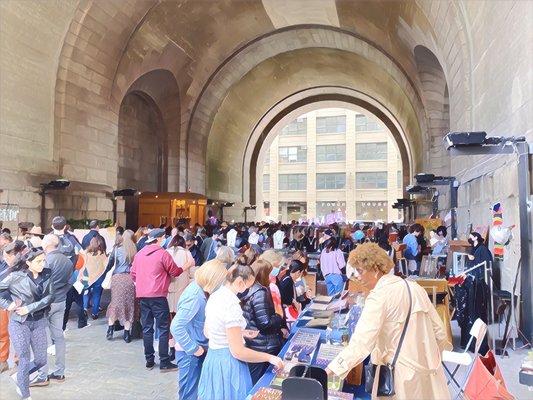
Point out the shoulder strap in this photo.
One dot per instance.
(404, 327)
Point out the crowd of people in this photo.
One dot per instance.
(219, 299)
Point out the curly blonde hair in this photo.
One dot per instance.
(370, 257)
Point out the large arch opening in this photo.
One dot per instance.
(141, 144)
(281, 114)
(334, 161)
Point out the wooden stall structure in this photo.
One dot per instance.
(171, 208)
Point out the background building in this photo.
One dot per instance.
(331, 160)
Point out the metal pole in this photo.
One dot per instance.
(454, 188)
(525, 245)
(42, 192)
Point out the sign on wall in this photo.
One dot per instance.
(9, 212)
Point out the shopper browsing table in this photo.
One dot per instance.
(187, 327)
(418, 372)
(225, 374)
(260, 315)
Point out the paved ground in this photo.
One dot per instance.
(101, 370)
(98, 369)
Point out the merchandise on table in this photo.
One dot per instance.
(267, 393)
(323, 299)
(318, 322)
(326, 354)
(336, 395)
(322, 314)
(303, 346)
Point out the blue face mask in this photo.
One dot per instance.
(275, 271)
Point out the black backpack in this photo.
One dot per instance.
(67, 248)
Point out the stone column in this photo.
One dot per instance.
(311, 165)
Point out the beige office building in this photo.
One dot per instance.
(331, 163)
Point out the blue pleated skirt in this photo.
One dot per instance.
(224, 377)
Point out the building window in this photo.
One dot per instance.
(371, 180)
(324, 208)
(292, 182)
(335, 124)
(293, 154)
(266, 182)
(296, 127)
(371, 210)
(331, 181)
(266, 208)
(363, 123)
(331, 152)
(371, 151)
(399, 180)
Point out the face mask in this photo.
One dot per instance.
(275, 271)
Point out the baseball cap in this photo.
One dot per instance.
(155, 234)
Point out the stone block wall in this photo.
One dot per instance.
(138, 145)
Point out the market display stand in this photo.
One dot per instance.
(354, 376)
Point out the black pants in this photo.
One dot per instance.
(74, 297)
(155, 308)
(257, 370)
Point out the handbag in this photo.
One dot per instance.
(106, 283)
(386, 372)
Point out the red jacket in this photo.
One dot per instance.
(151, 271)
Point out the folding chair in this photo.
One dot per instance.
(478, 331)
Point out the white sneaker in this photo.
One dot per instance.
(51, 350)
(14, 377)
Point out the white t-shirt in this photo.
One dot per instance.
(278, 239)
(222, 311)
(231, 237)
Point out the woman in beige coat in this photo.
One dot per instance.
(418, 372)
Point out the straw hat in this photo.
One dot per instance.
(36, 231)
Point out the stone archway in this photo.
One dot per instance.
(283, 112)
(141, 144)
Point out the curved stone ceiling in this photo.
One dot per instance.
(281, 76)
(110, 44)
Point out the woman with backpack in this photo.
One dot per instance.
(92, 274)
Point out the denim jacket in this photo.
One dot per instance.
(187, 327)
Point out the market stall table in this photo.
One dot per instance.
(299, 326)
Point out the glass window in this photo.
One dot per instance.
(293, 154)
(266, 208)
(296, 127)
(371, 151)
(363, 123)
(331, 152)
(335, 124)
(292, 182)
(371, 210)
(331, 181)
(266, 182)
(371, 180)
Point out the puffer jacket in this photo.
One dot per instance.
(258, 310)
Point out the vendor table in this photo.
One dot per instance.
(268, 377)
